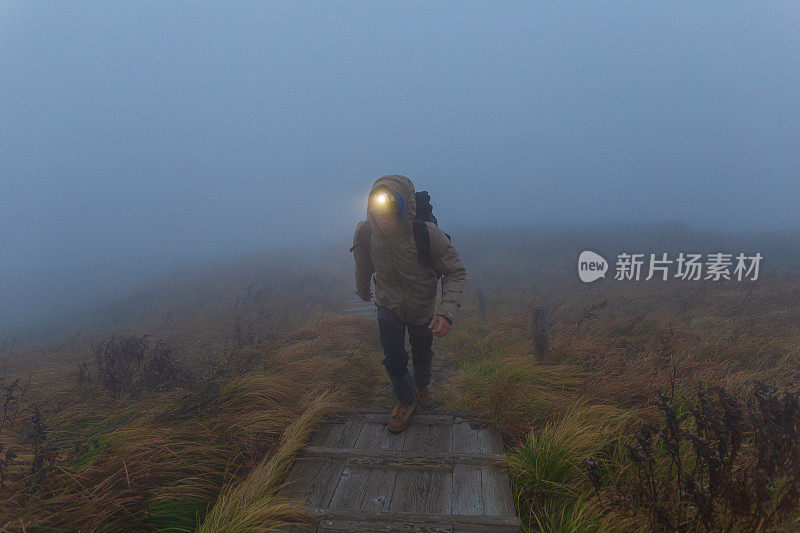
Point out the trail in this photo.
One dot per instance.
(443, 473)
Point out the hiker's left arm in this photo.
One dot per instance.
(446, 260)
(364, 267)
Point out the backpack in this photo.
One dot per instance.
(421, 236)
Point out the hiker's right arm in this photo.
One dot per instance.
(364, 267)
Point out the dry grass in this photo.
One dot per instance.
(255, 504)
(213, 457)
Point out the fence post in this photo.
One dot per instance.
(541, 336)
(481, 296)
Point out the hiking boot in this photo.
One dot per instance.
(425, 398)
(400, 416)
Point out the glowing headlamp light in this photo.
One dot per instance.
(385, 201)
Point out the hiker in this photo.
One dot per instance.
(407, 252)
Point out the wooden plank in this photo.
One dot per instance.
(370, 527)
(410, 463)
(387, 410)
(413, 436)
(467, 497)
(344, 435)
(460, 522)
(307, 528)
(322, 432)
(373, 437)
(380, 485)
(351, 488)
(439, 492)
(417, 419)
(434, 438)
(443, 473)
(496, 491)
(401, 458)
(376, 437)
(407, 492)
(379, 490)
(315, 481)
(489, 441)
(464, 438)
(422, 492)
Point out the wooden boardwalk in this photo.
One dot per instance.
(443, 473)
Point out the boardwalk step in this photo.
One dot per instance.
(445, 472)
(400, 459)
(356, 520)
(387, 410)
(418, 419)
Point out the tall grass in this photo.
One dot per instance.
(547, 469)
(213, 456)
(255, 504)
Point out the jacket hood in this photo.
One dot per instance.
(402, 186)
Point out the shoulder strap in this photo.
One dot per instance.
(423, 240)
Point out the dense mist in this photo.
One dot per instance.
(140, 138)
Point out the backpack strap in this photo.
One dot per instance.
(423, 240)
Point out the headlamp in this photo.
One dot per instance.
(384, 200)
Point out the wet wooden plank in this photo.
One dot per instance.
(375, 437)
(344, 435)
(379, 490)
(417, 419)
(407, 492)
(443, 473)
(314, 481)
(464, 438)
(401, 458)
(439, 486)
(422, 492)
(353, 526)
(467, 499)
(387, 410)
(380, 484)
(434, 438)
(322, 432)
(460, 523)
(306, 528)
(489, 441)
(351, 488)
(496, 491)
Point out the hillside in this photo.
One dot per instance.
(663, 405)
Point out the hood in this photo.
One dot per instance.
(402, 186)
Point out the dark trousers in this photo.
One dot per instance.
(393, 340)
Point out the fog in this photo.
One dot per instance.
(140, 137)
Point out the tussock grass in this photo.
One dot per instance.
(547, 469)
(255, 504)
(513, 391)
(160, 461)
(214, 458)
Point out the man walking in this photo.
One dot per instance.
(407, 257)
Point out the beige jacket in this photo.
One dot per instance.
(401, 283)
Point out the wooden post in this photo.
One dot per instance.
(541, 335)
(481, 303)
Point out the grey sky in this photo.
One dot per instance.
(139, 135)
